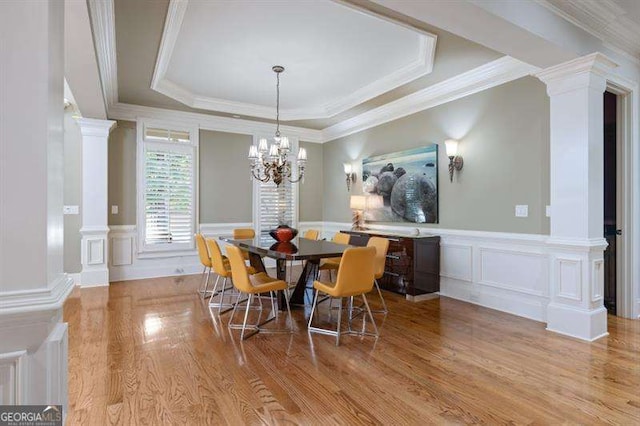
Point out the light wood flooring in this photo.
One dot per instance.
(148, 352)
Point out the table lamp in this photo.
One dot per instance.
(358, 204)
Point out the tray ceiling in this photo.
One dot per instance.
(217, 56)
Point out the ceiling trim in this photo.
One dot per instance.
(476, 80)
(172, 24)
(122, 111)
(103, 21)
(622, 39)
(422, 65)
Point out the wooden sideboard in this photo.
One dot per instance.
(413, 263)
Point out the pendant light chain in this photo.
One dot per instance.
(277, 104)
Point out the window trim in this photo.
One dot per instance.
(165, 250)
(295, 143)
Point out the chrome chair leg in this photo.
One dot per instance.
(366, 304)
(314, 303)
(200, 288)
(206, 284)
(246, 316)
(384, 304)
(235, 306)
(339, 321)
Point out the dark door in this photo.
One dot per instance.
(610, 201)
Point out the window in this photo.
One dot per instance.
(271, 204)
(167, 191)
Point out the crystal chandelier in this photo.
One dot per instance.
(271, 162)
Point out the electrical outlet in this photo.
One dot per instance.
(114, 209)
(547, 211)
(522, 210)
(71, 210)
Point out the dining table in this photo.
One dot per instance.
(299, 249)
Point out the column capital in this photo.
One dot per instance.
(95, 127)
(585, 71)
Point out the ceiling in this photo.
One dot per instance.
(616, 22)
(219, 55)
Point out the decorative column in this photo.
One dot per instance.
(95, 229)
(577, 241)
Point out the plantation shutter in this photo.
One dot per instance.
(273, 204)
(276, 205)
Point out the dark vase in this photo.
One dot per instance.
(283, 233)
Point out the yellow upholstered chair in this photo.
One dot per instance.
(311, 234)
(355, 277)
(244, 234)
(203, 253)
(222, 268)
(332, 263)
(253, 286)
(382, 246)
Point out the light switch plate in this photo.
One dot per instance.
(114, 209)
(522, 210)
(71, 210)
(547, 211)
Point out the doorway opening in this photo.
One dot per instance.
(611, 201)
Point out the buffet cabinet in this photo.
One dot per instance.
(413, 263)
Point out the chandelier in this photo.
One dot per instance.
(271, 162)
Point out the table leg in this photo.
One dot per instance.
(281, 274)
(309, 274)
(256, 261)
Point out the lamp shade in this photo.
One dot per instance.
(262, 145)
(253, 152)
(374, 202)
(358, 202)
(348, 169)
(451, 146)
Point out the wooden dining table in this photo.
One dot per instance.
(303, 249)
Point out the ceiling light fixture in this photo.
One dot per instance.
(272, 162)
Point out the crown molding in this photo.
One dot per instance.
(596, 63)
(604, 20)
(102, 16)
(129, 112)
(476, 80)
(422, 65)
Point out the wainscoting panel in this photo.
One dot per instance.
(125, 264)
(514, 270)
(95, 251)
(122, 250)
(456, 261)
(569, 278)
(503, 271)
(12, 379)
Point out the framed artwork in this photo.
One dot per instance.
(408, 184)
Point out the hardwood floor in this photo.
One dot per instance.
(148, 352)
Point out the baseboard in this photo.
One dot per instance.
(422, 297)
(138, 272)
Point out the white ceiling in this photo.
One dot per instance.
(616, 22)
(218, 56)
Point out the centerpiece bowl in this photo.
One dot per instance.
(283, 233)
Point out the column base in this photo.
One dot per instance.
(582, 324)
(94, 278)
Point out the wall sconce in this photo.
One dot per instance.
(455, 161)
(351, 175)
